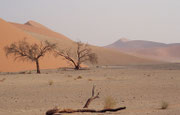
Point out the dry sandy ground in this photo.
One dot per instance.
(140, 88)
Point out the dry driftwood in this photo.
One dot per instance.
(91, 98)
(56, 111)
(59, 112)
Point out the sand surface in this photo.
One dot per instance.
(141, 89)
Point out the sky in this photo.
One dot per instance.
(100, 22)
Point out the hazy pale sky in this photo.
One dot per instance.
(100, 22)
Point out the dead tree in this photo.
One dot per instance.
(81, 54)
(25, 51)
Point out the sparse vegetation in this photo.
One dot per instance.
(78, 56)
(29, 72)
(25, 51)
(164, 105)
(22, 72)
(2, 80)
(69, 75)
(79, 77)
(90, 80)
(109, 103)
(50, 82)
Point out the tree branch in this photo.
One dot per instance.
(59, 112)
(91, 98)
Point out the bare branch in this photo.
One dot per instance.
(91, 98)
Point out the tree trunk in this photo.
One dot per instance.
(37, 66)
(77, 67)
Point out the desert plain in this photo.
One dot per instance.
(141, 88)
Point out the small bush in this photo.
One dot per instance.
(90, 80)
(2, 80)
(22, 72)
(29, 72)
(109, 103)
(69, 76)
(164, 105)
(50, 82)
(79, 77)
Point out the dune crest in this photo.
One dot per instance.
(124, 40)
(38, 28)
(35, 24)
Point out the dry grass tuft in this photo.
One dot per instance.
(69, 75)
(79, 77)
(2, 80)
(22, 72)
(29, 72)
(109, 103)
(164, 105)
(50, 82)
(90, 80)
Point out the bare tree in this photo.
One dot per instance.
(81, 54)
(25, 51)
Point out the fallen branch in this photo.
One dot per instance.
(59, 112)
(91, 98)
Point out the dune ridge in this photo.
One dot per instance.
(40, 29)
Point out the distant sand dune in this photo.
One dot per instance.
(148, 49)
